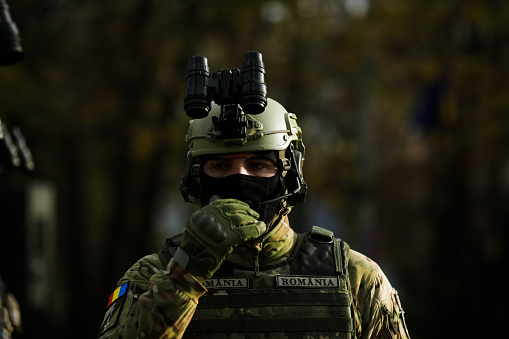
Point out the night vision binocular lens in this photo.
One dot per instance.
(197, 99)
(254, 90)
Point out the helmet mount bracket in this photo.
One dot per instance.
(231, 125)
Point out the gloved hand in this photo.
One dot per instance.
(212, 232)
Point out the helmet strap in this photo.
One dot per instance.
(284, 163)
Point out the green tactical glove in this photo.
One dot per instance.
(212, 232)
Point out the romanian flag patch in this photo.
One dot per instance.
(114, 308)
(120, 291)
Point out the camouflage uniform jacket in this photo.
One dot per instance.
(155, 300)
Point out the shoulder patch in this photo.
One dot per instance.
(119, 292)
(115, 303)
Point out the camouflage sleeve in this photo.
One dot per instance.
(151, 301)
(378, 311)
(10, 317)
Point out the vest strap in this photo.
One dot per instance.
(340, 257)
(321, 235)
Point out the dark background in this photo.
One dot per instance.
(403, 105)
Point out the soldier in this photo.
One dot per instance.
(238, 269)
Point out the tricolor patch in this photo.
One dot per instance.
(120, 291)
(114, 309)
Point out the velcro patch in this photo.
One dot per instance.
(307, 281)
(226, 283)
(119, 292)
(115, 303)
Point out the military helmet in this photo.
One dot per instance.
(275, 129)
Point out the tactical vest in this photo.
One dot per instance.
(307, 296)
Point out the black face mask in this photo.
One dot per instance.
(249, 189)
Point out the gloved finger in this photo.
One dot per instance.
(232, 206)
(217, 202)
(239, 219)
(251, 231)
(243, 212)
